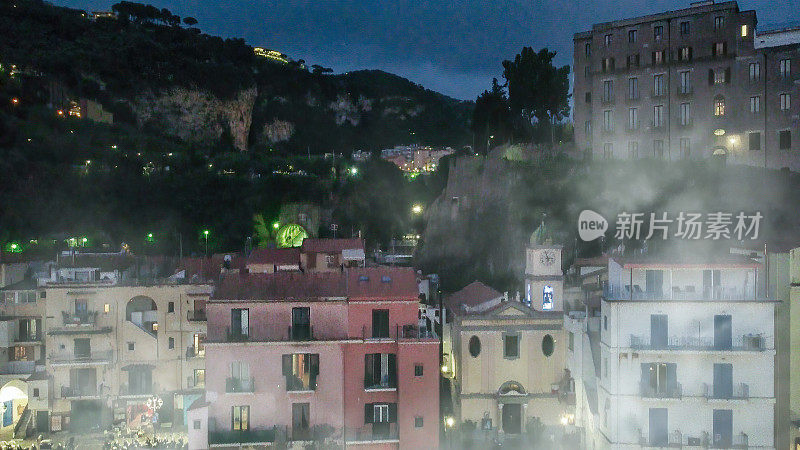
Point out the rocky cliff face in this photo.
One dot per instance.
(196, 116)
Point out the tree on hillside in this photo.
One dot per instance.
(536, 88)
(190, 21)
(491, 118)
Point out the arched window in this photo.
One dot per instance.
(548, 345)
(719, 105)
(474, 346)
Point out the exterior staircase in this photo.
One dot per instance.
(23, 424)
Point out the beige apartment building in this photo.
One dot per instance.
(111, 348)
(694, 83)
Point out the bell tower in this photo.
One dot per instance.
(544, 278)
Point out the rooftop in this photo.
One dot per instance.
(471, 296)
(331, 245)
(276, 256)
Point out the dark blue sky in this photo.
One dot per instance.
(454, 47)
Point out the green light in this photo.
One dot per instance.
(276, 225)
(150, 235)
(84, 240)
(354, 171)
(14, 247)
(205, 232)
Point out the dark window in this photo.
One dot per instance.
(632, 36)
(685, 28)
(380, 371)
(548, 345)
(130, 346)
(474, 346)
(171, 307)
(43, 294)
(196, 424)
(301, 420)
(755, 141)
(719, 22)
(587, 49)
(588, 97)
(605, 323)
(418, 422)
(301, 371)
(301, 324)
(785, 138)
(171, 343)
(36, 392)
(240, 323)
(417, 370)
(658, 32)
(511, 346)
(380, 323)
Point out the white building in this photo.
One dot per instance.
(687, 355)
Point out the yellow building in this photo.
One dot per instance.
(111, 347)
(509, 357)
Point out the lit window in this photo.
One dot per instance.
(786, 102)
(744, 30)
(719, 106)
(755, 104)
(106, 308)
(608, 40)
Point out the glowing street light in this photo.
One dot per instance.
(449, 422)
(15, 101)
(14, 246)
(205, 234)
(276, 225)
(354, 171)
(416, 209)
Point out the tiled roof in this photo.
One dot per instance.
(198, 403)
(331, 245)
(355, 283)
(276, 256)
(105, 263)
(472, 295)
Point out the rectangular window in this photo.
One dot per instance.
(744, 31)
(198, 344)
(658, 116)
(131, 346)
(607, 40)
(720, 49)
(719, 22)
(754, 140)
(608, 150)
(196, 424)
(658, 149)
(658, 85)
(633, 88)
(719, 76)
(608, 121)
(199, 378)
(301, 324)
(300, 371)
(631, 36)
(685, 112)
(587, 49)
(785, 139)
(786, 68)
(633, 118)
(380, 323)
(755, 104)
(418, 422)
(240, 323)
(171, 343)
(633, 150)
(588, 97)
(658, 32)
(632, 61)
(686, 148)
(685, 82)
(755, 72)
(240, 420)
(171, 307)
(659, 57)
(511, 346)
(719, 107)
(685, 54)
(786, 102)
(380, 371)
(106, 308)
(608, 90)
(608, 64)
(685, 28)
(587, 127)
(418, 370)
(571, 342)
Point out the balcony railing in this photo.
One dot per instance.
(301, 333)
(75, 392)
(255, 436)
(372, 433)
(91, 358)
(79, 318)
(673, 439)
(740, 441)
(198, 315)
(409, 331)
(747, 342)
(236, 336)
(35, 337)
(685, 90)
(635, 292)
(648, 391)
(739, 391)
(239, 385)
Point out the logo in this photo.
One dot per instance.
(591, 225)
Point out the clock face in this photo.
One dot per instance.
(547, 258)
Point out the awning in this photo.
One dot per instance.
(353, 253)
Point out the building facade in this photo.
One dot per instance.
(688, 84)
(319, 357)
(686, 355)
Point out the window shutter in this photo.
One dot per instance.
(392, 370)
(727, 74)
(710, 76)
(725, 48)
(315, 364)
(392, 412)
(654, 58)
(612, 63)
(690, 53)
(287, 365)
(369, 412)
(713, 49)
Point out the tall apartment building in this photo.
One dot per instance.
(686, 355)
(297, 358)
(689, 84)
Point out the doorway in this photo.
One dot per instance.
(512, 418)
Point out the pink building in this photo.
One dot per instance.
(311, 357)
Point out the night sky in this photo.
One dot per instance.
(454, 47)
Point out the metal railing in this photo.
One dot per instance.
(236, 336)
(746, 342)
(93, 357)
(372, 432)
(739, 391)
(35, 337)
(301, 333)
(239, 384)
(79, 318)
(198, 315)
(73, 392)
(666, 292)
(242, 436)
(673, 439)
(647, 391)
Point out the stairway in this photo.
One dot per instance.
(21, 428)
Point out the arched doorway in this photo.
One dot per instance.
(719, 155)
(511, 397)
(13, 401)
(143, 313)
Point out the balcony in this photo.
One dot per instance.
(251, 437)
(70, 392)
(373, 433)
(196, 315)
(301, 333)
(685, 90)
(94, 358)
(236, 336)
(79, 318)
(192, 352)
(239, 385)
(673, 439)
(739, 391)
(746, 342)
(661, 392)
(24, 338)
(666, 292)
(79, 323)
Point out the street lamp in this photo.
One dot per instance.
(416, 209)
(205, 234)
(488, 142)
(354, 171)
(276, 225)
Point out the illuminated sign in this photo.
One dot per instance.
(547, 298)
